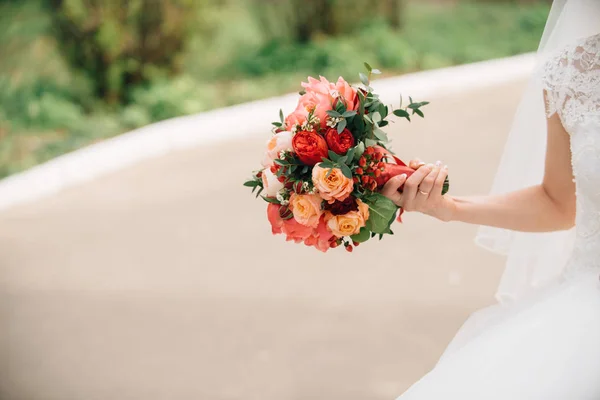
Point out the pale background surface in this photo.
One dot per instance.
(162, 281)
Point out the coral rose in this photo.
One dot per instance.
(321, 237)
(279, 142)
(295, 231)
(339, 143)
(274, 218)
(347, 94)
(271, 184)
(306, 209)
(310, 147)
(350, 223)
(331, 185)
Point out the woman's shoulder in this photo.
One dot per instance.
(579, 57)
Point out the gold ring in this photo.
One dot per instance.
(423, 193)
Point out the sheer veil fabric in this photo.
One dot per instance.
(534, 260)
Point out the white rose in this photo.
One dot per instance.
(278, 143)
(271, 184)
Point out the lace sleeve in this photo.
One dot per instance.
(553, 77)
(571, 81)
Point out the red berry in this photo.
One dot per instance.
(259, 174)
(334, 244)
(355, 244)
(365, 179)
(273, 168)
(370, 151)
(281, 179)
(362, 161)
(377, 173)
(349, 249)
(359, 171)
(370, 170)
(355, 179)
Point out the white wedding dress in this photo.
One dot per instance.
(545, 346)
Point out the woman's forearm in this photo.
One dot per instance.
(526, 210)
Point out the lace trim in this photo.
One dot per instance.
(571, 80)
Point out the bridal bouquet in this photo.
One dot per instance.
(326, 162)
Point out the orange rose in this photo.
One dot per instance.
(332, 185)
(306, 209)
(310, 147)
(350, 223)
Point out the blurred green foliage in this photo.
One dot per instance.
(61, 91)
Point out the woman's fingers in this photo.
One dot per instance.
(412, 185)
(390, 189)
(439, 182)
(416, 163)
(426, 186)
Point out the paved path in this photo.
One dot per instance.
(162, 282)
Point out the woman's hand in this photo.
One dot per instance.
(422, 192)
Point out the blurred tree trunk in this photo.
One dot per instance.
(394, 10)
(119, 43)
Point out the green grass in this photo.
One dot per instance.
(47, 110)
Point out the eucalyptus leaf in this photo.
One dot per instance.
(376, 71)
(368, 67)
(341, 126)
(370, 142)
(364, 79)
(360, 149)
(401, 113)
(333, 113)
(346, 171)
(281, 115)
(348, 114)
(381, 135)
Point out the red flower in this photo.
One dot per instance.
(310, 147)
(342, 207)
(339, 143)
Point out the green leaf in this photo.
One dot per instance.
(270, 200)
(382, 212)
(281, 115)
(364, 79)
(381, 135)
(349, 114)
(346, 171)
(350, 154)
(368, 67)
(302, 92)
(401, 113)
(419, 113)
(333, 156)
(446, 186)
(342, 159)
(341, 126)
(370, 142)
(360, 149)
(375, 117)
(361, 236)
(368, 119)
(252, 184)
(376, 71)
(333, 114)
(277, 124)
(383, 123)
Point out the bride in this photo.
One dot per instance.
(542, 341)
